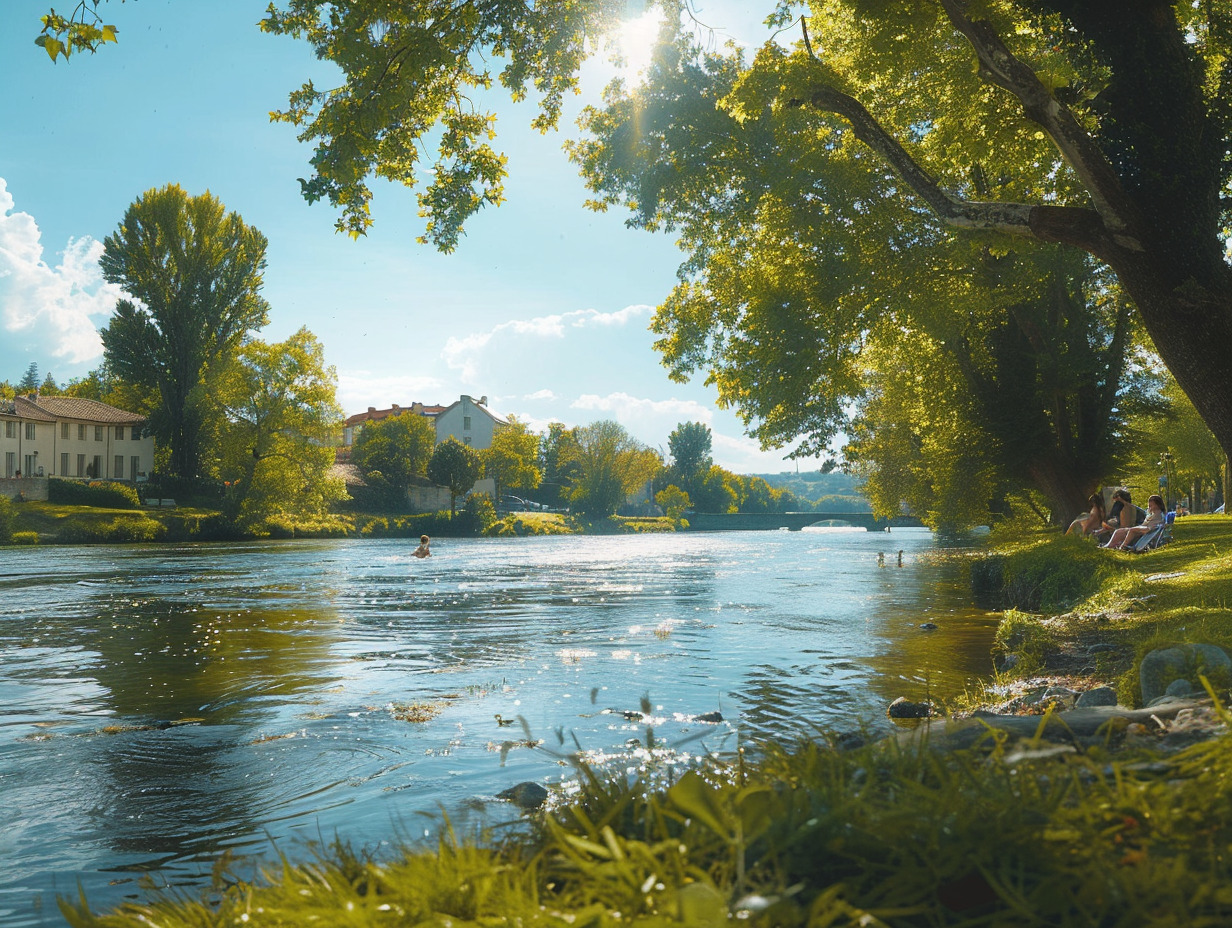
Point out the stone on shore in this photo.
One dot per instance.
(1099, 696)
(527, 795)
(1164, 666)
(903, 708)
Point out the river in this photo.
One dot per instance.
(162, 705)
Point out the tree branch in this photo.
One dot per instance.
(1070, 225)
(1000, 67)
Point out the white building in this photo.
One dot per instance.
(67, 436)
(468, 420)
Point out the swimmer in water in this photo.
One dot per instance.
(900, 558)
(881, 559)
(422, 550)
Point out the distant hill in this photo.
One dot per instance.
(833, 492)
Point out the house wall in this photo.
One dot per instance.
(87, 441)
(434, 499)
(42, 456)
(468, 422)
(18, 452)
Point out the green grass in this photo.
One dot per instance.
(997, 836)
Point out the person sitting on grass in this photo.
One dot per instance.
(1124, 537)
(1092, 522)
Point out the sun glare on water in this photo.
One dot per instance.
(635, 41)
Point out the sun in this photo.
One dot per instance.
(635, 41)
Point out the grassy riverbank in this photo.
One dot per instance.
(1122, 829)
(57, 523)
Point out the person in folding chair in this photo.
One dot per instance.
(1122, 538)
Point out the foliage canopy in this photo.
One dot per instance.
(193, 273)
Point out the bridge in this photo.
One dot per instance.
(771, 521)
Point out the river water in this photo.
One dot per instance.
(162, 705)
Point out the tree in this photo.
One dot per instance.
(398, 446)
(689, 445)
(1173, 441)
(801, 260)
(556, 463)
(610, 465)
(674, 502)
(49, 387)
(456, 466)
(418, 65)
(30, 382)
(1096, 125)
(279, 417)
(195, 273)
(512, 460)
(716, 491)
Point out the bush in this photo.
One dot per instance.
(103, 494)
(478, 515)
(287, 526)
(122, 530)
(378, 527)
(6, 520)
(24, 538)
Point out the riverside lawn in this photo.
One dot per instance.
(1123, 829)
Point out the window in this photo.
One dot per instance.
(97, 466)
(64, 430)
(98, 433)
(10, 430)
(63, 463)
(81, 464)
(466, 440)
(81, 433)
(134, 467)
(119, 433)
(466, 423)
(118, 473)
(10, 463)
(30, 431)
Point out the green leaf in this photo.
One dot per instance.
(696, 798)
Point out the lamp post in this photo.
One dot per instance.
(1165, 462)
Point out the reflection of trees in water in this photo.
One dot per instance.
(936, 664)
(192, 789)
(167, 659)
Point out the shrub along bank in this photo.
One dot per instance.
(1013, 832)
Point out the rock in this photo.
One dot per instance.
(1179, 687)
(712, 717)
(849, 740)
(903, 708)
(1007, 662)
(1101, 647)
(929, 626)
(527, 795)
(1169, 701)
(1100, 696)
(1058, 692)
(1183, 662)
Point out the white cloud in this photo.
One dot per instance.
(622, 404)
(465, 353)
(540, 395)
(357, 390)
(48, 311)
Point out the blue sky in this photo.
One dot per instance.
(543, 307)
